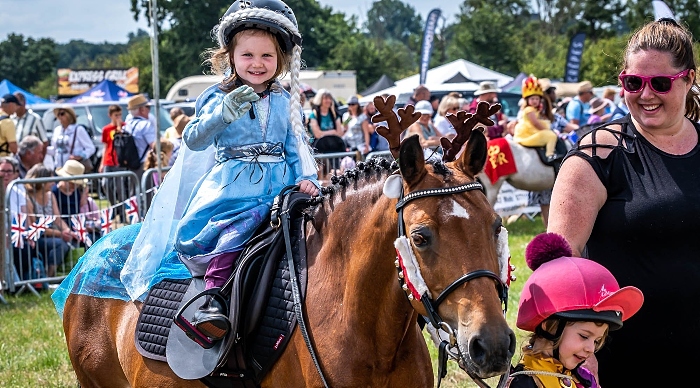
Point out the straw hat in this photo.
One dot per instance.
(137, 101)
(487, 87)
(68, 109)
(584, 87)
(72, 168)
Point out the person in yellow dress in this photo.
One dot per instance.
(533, 129)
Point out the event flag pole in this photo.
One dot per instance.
(156, 82)
(427, 45)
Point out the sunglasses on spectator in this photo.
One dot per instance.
(661, 84)
(7, 171)
(61, 112)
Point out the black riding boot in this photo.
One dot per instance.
(211, 319)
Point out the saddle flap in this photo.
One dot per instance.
(187, 358)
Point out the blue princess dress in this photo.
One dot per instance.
(256, 156)
(217, 193)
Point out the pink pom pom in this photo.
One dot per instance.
(545, 247)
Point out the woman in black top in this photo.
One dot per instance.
(628, 197)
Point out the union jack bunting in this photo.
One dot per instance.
(39, 226)
(106, 220)
(132, 210)
(18, 230)
(78, 223)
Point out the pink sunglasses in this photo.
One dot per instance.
(660, 84)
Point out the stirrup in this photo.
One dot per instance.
(190, 329)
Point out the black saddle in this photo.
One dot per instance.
(559, 151)
(261, 309)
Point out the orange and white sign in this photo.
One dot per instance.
(72, 82)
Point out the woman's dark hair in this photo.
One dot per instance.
(547, 108)
(666, 35)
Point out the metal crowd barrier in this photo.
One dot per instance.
(34, 260)
(335, 163)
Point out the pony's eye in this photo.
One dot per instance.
(419, 240)
(498, 229)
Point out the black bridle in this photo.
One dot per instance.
(430, 305)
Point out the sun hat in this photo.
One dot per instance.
(597, 104)
(68, 109)
(72, 168)
(571, 288)
(585, 86)
(137, 101)
(424, 107)
(487, 87)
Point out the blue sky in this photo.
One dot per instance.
(111, 20)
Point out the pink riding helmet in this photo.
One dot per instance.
(571, 288)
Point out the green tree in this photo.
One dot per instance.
(392, 58)
(487, 33)
(394, 20)
(26, 61)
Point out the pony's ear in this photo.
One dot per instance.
(472, 160)
(411, 160)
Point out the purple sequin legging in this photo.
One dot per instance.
(219, 269)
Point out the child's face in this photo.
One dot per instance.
(579, 341)
(255, 59)
(533, 101)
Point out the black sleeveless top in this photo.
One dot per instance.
(648, 235)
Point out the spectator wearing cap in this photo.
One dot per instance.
(8, 135)
(70, 140)
(356, 138)
(140, 127)
(27, 122)
(488, 91)
(428, 135)
(577, 109)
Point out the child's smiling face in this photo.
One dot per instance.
(579, 341)
(255, 59)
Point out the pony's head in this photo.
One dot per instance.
(452, 248)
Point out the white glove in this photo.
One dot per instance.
(238, 102)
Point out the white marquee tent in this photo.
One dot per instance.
(460, 75)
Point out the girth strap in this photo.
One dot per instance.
(285, 221)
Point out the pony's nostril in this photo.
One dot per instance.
(511, 347)
(477, 351)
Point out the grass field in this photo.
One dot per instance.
(32, 343)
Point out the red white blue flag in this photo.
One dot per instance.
(132, 210)
(106, 220)
(19, 230)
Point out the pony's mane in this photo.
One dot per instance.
(367, 173)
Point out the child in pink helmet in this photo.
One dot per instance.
(569, 304)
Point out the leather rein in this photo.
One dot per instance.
(431, 306)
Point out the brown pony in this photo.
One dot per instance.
(362, 324)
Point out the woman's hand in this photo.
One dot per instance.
(307, 187)
(67, 235)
